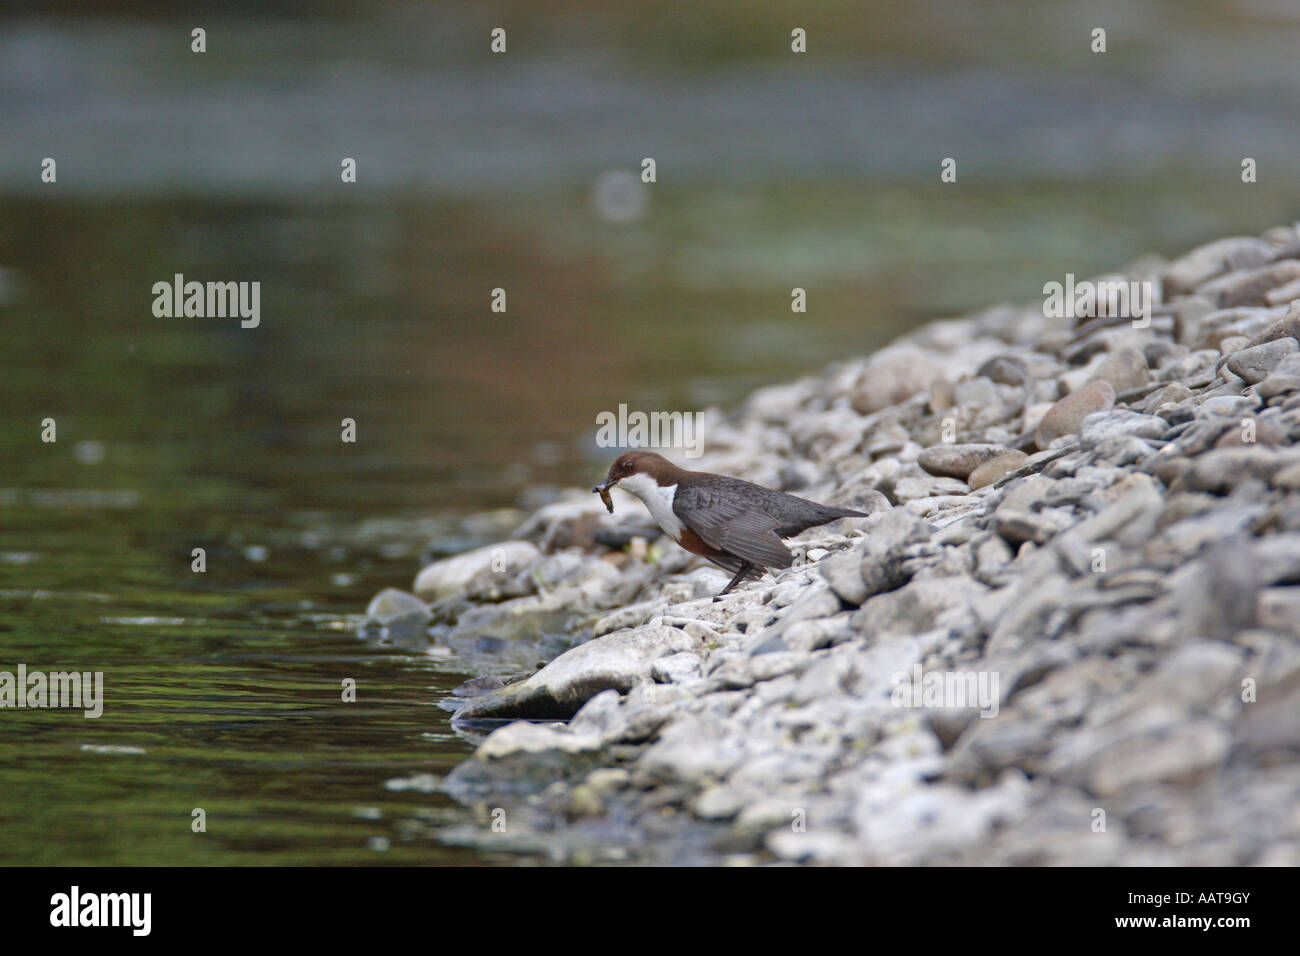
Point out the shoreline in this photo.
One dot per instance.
(1091, 528)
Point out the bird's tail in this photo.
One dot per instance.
(843, 513)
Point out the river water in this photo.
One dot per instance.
(223, 688)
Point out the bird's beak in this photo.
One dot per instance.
(604, 486)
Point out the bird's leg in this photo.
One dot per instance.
(745, 568)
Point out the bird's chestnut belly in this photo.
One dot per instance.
(693, 543)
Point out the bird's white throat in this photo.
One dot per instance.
(658, 500)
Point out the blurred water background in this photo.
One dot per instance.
(479, 171)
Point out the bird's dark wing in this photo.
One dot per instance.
(731, 523)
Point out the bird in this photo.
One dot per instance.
(735, 524)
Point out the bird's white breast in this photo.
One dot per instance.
(658, 500)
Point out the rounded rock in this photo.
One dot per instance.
(995, 469)
(1125, 369)
(1067, 415)
(1005, 370)
(894, 376)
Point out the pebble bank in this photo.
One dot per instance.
(1094, 523)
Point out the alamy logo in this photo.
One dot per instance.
(959, 689)
(1088, 300)
(208, 300)
(81, 690)
(650, 430)
(103, 909)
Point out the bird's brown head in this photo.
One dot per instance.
(631, 463)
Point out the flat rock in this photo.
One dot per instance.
(559, 689)
(1278, 384)
(1287, 327)
(477, 686)
(1017, 527)
(1254, 363)
(958, 461)
(452, 575)
(996, 468)
(1119, 423)
(522, 618)
(1247, 287)
(1215, 258)
(913, 489)
(1220, 470)
(529, 738)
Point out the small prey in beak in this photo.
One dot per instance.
(602, 489)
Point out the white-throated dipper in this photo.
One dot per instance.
(736, 524)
